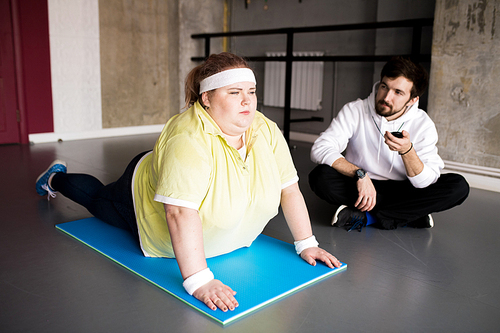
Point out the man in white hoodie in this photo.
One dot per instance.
(391, 167)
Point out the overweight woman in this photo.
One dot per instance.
(217, 175)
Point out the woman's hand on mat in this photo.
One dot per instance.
(215, 295)
(311, 254)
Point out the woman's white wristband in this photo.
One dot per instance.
(197, 280)
(305, 244)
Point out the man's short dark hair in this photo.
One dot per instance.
(400, 66)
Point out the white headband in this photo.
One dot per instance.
(226, 78)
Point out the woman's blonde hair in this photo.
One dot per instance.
(214, 64)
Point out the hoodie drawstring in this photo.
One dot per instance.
(380, 142)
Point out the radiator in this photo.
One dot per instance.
(307, 82)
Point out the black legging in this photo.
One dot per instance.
(111, 203)
(398, 202)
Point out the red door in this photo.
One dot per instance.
(9, 125)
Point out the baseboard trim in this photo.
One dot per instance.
(103, 133)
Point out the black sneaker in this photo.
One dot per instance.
(349, 218)
(422, 222)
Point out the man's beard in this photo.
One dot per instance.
(380, 111)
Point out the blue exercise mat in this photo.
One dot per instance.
(261, 274)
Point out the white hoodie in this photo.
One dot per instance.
(355, 131)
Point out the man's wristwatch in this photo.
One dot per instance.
(360, 174)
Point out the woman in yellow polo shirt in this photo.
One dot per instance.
(216, 176)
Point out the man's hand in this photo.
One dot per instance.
(367, 195)
(401, 145)
(406, 150)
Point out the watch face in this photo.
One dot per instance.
(360, 173)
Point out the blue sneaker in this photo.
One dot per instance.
(349, 218)
(42, 182)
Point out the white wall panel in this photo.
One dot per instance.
(75, 65)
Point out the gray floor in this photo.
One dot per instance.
(440, 280)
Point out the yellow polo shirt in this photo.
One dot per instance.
(193, 166)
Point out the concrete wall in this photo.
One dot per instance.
(465, 80)
(139, 46)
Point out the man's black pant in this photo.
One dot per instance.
(398, 202)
